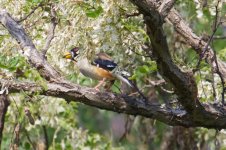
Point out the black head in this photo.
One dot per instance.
(72, 53)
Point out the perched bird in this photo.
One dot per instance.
(101, 68)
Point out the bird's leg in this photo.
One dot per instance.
(108, 85)
(99, 84)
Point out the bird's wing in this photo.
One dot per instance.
(105, 64)
(104, 61)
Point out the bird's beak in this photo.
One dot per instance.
(67, 55)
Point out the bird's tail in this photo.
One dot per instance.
(125, 80)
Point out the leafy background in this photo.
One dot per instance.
(96, 26)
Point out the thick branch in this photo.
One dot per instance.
(105, 100)
(122, 104)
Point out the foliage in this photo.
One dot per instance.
(99, 26)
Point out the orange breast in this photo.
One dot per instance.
(103, 73)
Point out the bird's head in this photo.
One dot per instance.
(72, 53)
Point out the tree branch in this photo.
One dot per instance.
(4, 103)
(104, 100)
(219, 37)
(33, 10)
(122, 104)
(46, 141)
(165, 7)
(51, 31)
(16, 141)
(216, 24)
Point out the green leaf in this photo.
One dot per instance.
(11, 64)
(14, 62)
(27, 145)
(142, 70)
(47, 8)
(94, 13)
(133, 77)
(36, 1)
(146, 68)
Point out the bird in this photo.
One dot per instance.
(101, 68)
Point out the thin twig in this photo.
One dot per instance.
(157, 82)
(167, 91)
(136, 40)
(202, 84)
(213, 86)
(4, 103)
(17, 114)
(220, 75)
(219, 37)
(215, 56)
(132, 15)
(139, 53)
(217, 142)
(45, 135)
(15, 145)
(34, 22)
(51, 31)
(215, 27)
(127, 127)
(33, 10)
(29, 139)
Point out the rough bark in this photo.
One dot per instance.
(104, 100)
(122, 104)
(165, 7)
